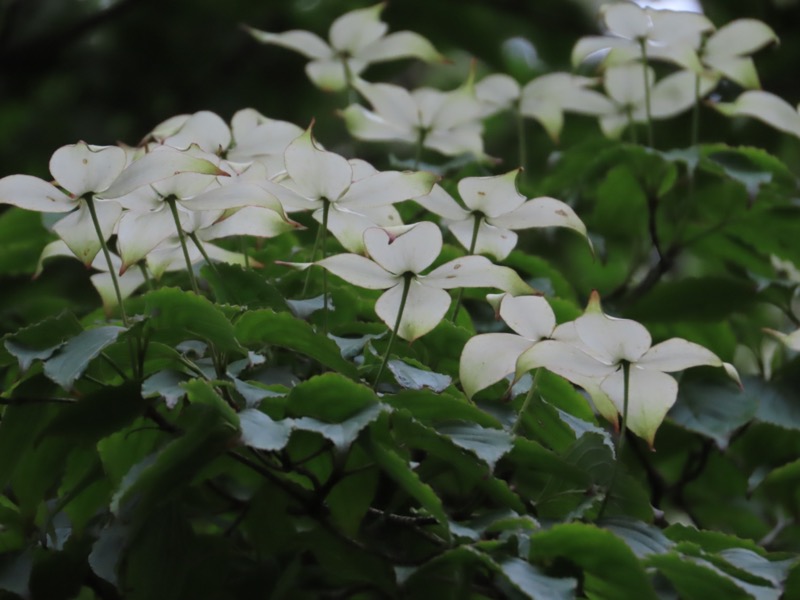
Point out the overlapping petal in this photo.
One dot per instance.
(35, 194)
(80, 168)
(425, 307)
(406, 248)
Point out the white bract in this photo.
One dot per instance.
(448, 122)
(595, 356)
(727, 50)
(398, 257)
(357, 39)
(766, 107)
(494, 208)
(348, 195)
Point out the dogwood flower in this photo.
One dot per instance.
(398, 257)
(494, 209)
(448, 122)
(601, 352)
(357, 39)
(204, 129)
(727, 50)
(261, 139)
(765, 107)
(347, 196)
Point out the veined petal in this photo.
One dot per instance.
(739, 38)
(404, 249)
(562, 359)
(205, 129)
(425, 307)
(349, 226)
(35, 194)
(357, 29)
(497, 242)
(393, 103)
(765, 107)
(401, 44)
(327, 74)
(493, 196)
(306, 43)
(613, 340)
(257, 221)
(650, 396)
(288, 197)
(541, 212)
(316, 173)
(78, 232)
(359, 271)
(387, 187)
(79, 168)
(439, 202)
(157, 165)
(235, 195)
(256, 135)
(140, 232)
(677, 354)
(530, 316)
(476, 271)
(364, 124)
(489, 357)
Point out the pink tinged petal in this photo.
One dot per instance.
(476, 271)
(128, 284)
(613, 340)
(439, 202)
(204, 129)
(497, 242)
(392, 103)
(79, 168)
(530, 316)
(78, 232)
(35, 194)
(51, 250)
(304, 42)
(367, 125)
(766, 107)
(466, 138)
(740, 37)
(404, 249)
(488, 358)
(627, 20)
(650, 396)
(157, 165)
(349, 226)
(327, 74)
(317, 174)
(425, 307)
(401, 44)
(387, 187)
(140, 232)
(493, 196)
(250, 220)
(357, 29)
(677, 354)
(359, 271)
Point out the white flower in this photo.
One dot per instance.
(398, 256)
(357, 39)
(766, 107)
(496, 208)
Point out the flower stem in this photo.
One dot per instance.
(325, 210)
(696, 111)
(314, 249)
(420, 144)
(626, 375)
(174, 209)
(406, 287)
(643, 46)
(112, 271)
(199, 245)
(473, 242)
(523, 144)
(527, 402)
(147, 280)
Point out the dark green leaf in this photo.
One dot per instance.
(341, 434)
(331, 398)
(261, 432)
(490, 445)
(233, 284)
(644, 539)
(39, 341)
(167, 385)
(412, 378)
(534, 584)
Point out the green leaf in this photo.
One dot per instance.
(261, 432)
(716, 411)
(429, 407)
(490, 445)
(413, 378)
(773, 571)
(265, 327)
(39, 341)
(679, 300)
(24, 238)
(534, 584)
(233, 284)
(621, 207)
(69, 363)
(176, 315)
(330, 397)
(611, 570)
(201, 392)
(644, 539)
(697, 579)
(15, 571)
(341, 434)
(167, 385)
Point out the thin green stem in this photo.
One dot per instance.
(325, 210)
(147, 280)
(696, 111)
(420, 144)
(199, 245)
(314, 249)
(643, 46)
(632, 127)
(112, 271)
(473, 242)
(243, 250)
(174, 209)
(522, 141)
(626, 376)
(527, 402)
(406, 287)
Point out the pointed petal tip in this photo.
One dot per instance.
(594, 305)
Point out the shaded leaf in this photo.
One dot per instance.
(167, 385)
(261, 432)
(71, 360)
(413, 378)
(490, 445)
